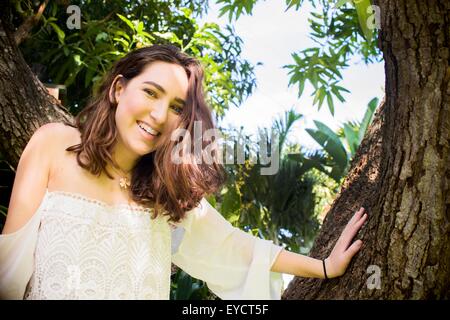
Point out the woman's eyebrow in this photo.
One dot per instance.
(164, 91)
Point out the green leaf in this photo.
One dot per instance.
(342, 89)
(66, 51)
(239, 11)
(77, 59)
(61, 35)
(184, 286)
(362, 7)
(314, 79)
(249, 6)
(330, 103)
(331, 143)
(128, 22)
(102, 36)
(367, 119)
(351, 137)
(172, 37)
(140, 27)
(301, 87)
(125, 44)
(340, 3)
(231, 202)
(291, 3)
(319, 96)
(337, 93)
(322, 97)
(123, 34)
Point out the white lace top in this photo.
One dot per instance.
(75, 247)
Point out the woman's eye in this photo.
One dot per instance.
(150, 92)
(177, 109)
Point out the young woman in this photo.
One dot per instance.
(99, 209)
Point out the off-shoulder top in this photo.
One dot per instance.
(76, 247)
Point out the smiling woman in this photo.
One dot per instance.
(133, 98)
(105, 204)
(104, 211)
(146, 96)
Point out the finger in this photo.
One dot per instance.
(353, 249)
(354, 228)
(355, 219)
(358, 214)
(361, 221)
(349, 233)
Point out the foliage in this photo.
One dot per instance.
(353, 132)
(337, 148)
(325, 190)
(184, 287)
(79, 58)
(341, 30)
(332, 145)
(280, 207)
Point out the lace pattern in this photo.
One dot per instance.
(87, 249)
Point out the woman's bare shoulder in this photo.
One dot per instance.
(57, 127)
(33, 171)
(54, 138)
(57, 134)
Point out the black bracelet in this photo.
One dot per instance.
(324, 269)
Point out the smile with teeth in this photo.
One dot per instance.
(148, 129)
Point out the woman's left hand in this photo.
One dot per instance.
(343, 252)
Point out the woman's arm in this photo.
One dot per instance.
(32, 176)
(336, 264)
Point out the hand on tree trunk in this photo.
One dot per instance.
(343, 252)
(336, 264)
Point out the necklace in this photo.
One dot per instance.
(124, 182)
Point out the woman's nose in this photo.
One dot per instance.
(159, 112)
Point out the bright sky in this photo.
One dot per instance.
(269, 36)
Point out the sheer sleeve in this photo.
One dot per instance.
(233, 263)
(17, 258)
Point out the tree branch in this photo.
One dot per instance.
(24, 30)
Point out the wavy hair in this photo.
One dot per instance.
(156, 181)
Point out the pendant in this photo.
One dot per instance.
(124, 183)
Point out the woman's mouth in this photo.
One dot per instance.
(148, 131)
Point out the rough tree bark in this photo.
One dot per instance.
(401, 172)
(25, 103)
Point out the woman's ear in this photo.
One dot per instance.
(116, 89)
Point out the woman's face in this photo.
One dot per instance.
(148, 105)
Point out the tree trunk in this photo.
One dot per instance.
(401, 172)
(25, 103)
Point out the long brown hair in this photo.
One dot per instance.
(156, 181)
